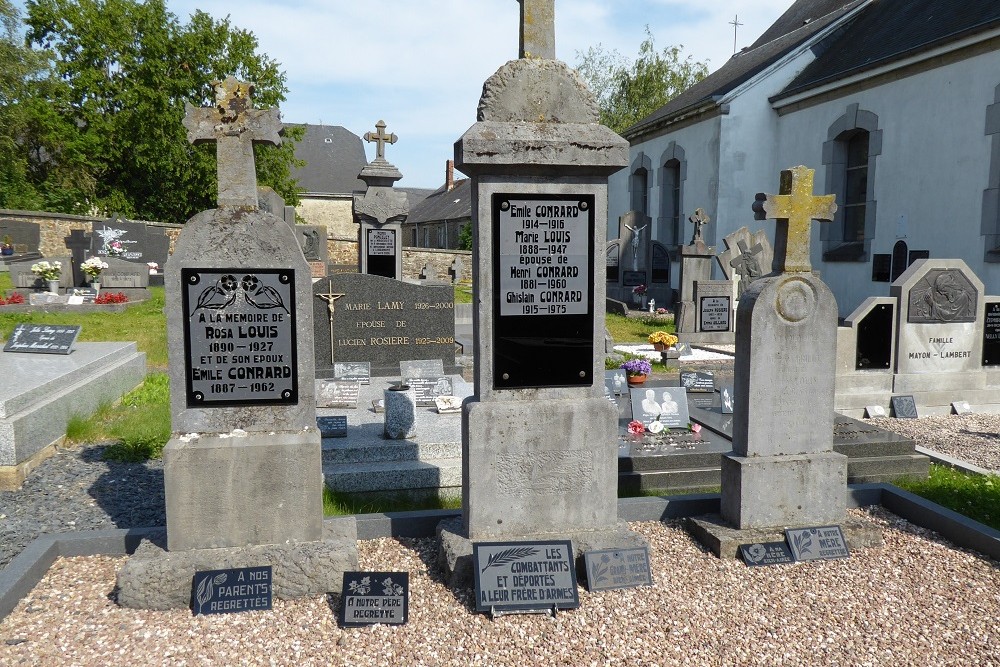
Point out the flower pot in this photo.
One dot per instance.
(659, 347)
(53, 286)
(6, 251)
(636, 380)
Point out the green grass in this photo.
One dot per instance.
(463, 292)
(975, 496)
(636, 329)
(339, 504)
(6, 284)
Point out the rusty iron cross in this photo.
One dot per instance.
(538, 29)
(381, 139)
(794, 209)
(235, 126)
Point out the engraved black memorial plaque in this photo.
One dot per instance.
(43, 338)
(543, 257)
(239, 337)
(991, 335)
(381, 245)
(233, 590)
(874, 342)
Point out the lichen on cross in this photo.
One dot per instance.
(235, 126)
(794, 209)
(538, 29)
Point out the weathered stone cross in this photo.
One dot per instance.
(699, 220)
(538, 29)
(381, 139)
(794, 209)
(235, 126)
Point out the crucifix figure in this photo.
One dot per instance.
(636, 241)
(381, 139)
(330, 297)
(538, 29)
(794, 208)
(699, 220)
(235, 126)
(746, 265)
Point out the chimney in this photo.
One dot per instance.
(449, 175)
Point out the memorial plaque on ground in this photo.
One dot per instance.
(448, 404)
(43, 338)
(337, 393)
(698, 381)
(991, 335)
(543, 250)
(961, 408)
(683, 349)
(332, 427)
(353, 371)
(228, 591)
(667, 405)
(874, 411)
(609, 569)
(819, 543)
(421, 368)
(766, 553)
(519, 576)
(427, 389)
(366, 318)
(371, 598)
(904, 407)
(715, 312)
(239, 337)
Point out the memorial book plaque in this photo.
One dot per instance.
(609, 569)
(524, 576)
(426, 389)
(43, 338)
(543, 272)
(817, 543)
(698, 381)
(239, 337)
(371, 598)
(229, 591)
(766, 553)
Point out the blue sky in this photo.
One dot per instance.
(420, 65)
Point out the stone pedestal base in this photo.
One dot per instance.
(686, 319)
(783, 490)
(455, 555)
(723, 540)
(154, 578)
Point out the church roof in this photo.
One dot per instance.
(801, 21)
(444, 204)
(334, 157)
(891, 30)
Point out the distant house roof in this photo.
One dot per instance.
(334, 157)
(415, 195)
(801, 21)
(444, 204)
(890, 30)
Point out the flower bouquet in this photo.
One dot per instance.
(661, 340)
(639, 290)
(116, 249)
(47, 270)
(93, 267)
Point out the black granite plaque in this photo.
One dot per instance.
(43, 338)
(426, 389)
(615, 383)
(904, 407)
(874, 338)
(520, 576)
(239, 337)
(666, 405)
(633, 278)
(727, 399)
(698, 381)
(610, 569)
(371, 598)
(991, 335)
(819, 543)
(381, 248)
(881, 267)
(337, 393)
(332, 427)
(228, 591)
(131, 241)
(353, 371)
(543, 275)
(766, 553)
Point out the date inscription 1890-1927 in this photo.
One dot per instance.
(239, 336)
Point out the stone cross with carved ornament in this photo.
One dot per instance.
(381, 139)
(794, 209)
(538, 29)
(235, 126)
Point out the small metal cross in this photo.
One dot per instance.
(381, 139)
(736, 24)
(538, 29)
(794, 209)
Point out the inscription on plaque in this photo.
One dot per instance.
(370, 598)
(228, 591)
(332, 427)
(766, 553)
(524, 575)
(421, 368)
(43, 338)
(382, 252)
(666, 405)
(239, 336)
(991, 335)
(337, 394)
(609, 569)
(820, 543)
(715, 313)
(903, 407)
(427, 389)
(353, 371)
(698, 381)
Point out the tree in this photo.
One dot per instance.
(465, 237)
(105, 131)
(629, 91)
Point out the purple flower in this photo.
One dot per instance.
(637, 367)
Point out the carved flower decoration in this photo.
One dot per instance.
(250, 283)
(228, 283)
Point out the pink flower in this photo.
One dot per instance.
(696, 428)
(635, 427)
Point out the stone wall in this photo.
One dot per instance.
(333, 212)
(55, 227)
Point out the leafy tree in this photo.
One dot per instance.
(629, 91)
(465, 237)
(105, 130)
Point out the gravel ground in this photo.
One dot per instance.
(971, 438)
(915, 601)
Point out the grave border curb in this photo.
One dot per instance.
(27, 568)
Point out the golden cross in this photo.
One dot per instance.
(538, 29)
(794, 209)
(330, 297)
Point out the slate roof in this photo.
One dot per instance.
(415, 195)
(800, 22)
(890, 30)
(334, 157)
(445, 205)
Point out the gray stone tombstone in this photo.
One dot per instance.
(746, 258)
(24, 280)
(535, 434)
(456, 270)
(22, 233)
(380, 212)
(242, 471)
(696, 266)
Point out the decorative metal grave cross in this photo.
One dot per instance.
(794, 209)
(381, 139)
(699, 220)
(235, 126)
(538, 29)
(330, 297)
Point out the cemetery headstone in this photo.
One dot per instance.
(133, 242)
(421, 368)
(23, 279)
(991, 334)
(961, 408)
(428, 389)
(874, 411)
(337, 394)
(715, 305)
(456, 270)
(766, 553)
(26, 237)
(332, 426)
(819, 543)
(380, 212)
(353, 371)
(696, 267)
(698, 381)
(667, 405)
(232, 590)
(747, 257)
(78, 242)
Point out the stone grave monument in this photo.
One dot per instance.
(705, 313)
(381, 212)
(746, 258)
(312, 238)
(535, 433)
(26, 237)
(242, 471)
(134, 242)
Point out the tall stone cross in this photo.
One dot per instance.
(699, 220)
(381, 139)
(235, 126)
(538, 29)
(794, 209)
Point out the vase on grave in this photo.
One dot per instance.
(96, 284)
(53, 286)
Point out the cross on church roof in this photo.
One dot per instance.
(794, 208)
(538, 29)
(381, 139)
(235, 126)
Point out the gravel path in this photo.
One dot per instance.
(971, 438)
